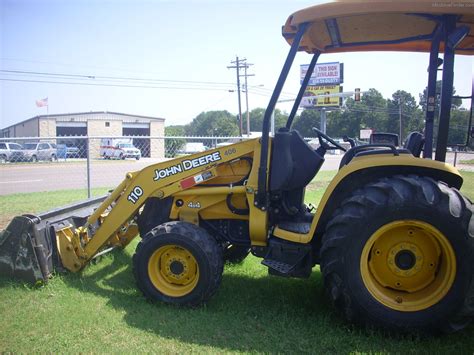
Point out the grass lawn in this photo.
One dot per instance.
(100, 309)
(467, 162)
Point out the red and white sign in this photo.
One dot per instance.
(323, 73)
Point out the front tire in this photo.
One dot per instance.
(399, 254)
(178, 263)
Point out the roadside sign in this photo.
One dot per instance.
(322, 96)
(365, 133)
(324, 73)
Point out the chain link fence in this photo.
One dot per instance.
(96, 164)
(93, 164)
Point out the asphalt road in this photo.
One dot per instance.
(72, 174)
(47, 176)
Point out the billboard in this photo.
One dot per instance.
(310, 99)
(324, 73)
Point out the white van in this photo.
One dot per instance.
(119, 148)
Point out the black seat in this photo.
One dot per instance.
(414, 143)
(294, 162)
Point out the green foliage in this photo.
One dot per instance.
(213, 123)
(458, 127)
(256, 119)
(172, 146)
(412, 116)
(372, 112)
(305, 122)
(101, 310)
(455, 104)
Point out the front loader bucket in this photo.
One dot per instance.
(28, 249)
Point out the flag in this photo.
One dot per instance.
(42, 102)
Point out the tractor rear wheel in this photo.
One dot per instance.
(399, 254)
(178, 263)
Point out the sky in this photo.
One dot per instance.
(170, 58)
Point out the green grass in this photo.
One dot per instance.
(100, 310)
(467, 162)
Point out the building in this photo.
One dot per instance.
(98, 124)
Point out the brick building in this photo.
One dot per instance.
(103, 124)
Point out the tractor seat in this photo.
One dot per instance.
(294, 162)
(414, 143)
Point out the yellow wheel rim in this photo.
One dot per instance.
(173, 270)
(408, 265)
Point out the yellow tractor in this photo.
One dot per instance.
(393, 235)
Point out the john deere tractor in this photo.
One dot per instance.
(393, 236)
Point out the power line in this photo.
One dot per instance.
(116, 85)
(101, 77)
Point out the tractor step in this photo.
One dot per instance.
(278, 266)
(288, 259)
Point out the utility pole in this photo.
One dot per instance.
(246, 66)
(401, 121)
(237, 66)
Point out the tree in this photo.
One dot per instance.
(455, 104)
(412, 117)
(256, 119)
(458, 127)
(456, 122)
(370, 113)
(306, 121)
(213, 123)
(173, 145)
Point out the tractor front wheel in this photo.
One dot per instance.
(178, 263)
(399, 253)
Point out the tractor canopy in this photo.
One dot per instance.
(380, 25)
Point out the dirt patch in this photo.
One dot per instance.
(317, 185)
(4, 220)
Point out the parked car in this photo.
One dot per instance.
(119, 149)
(11, 152)
(40, 151)
(67, 151)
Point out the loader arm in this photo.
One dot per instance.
(31, 247)
(113, 222)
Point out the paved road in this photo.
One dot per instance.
(46, 176)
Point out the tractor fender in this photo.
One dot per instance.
(365, 169)
(361, 171)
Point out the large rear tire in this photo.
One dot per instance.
(399, 254)
(178, 263)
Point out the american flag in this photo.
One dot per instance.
(42, 102)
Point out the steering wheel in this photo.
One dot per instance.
(321, 135)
